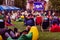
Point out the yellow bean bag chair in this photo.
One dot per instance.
(1, 37)
(22, 17)
(35, 32)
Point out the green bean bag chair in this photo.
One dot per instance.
(26, 37)
(23, 37)
(20, 20)
(9, 38)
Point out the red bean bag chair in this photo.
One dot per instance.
(7, 24)
(55, 28)
(38, 20)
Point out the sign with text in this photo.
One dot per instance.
(38, 6)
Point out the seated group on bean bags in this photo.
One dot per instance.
(55, 27)
(23, 37)
(28, 34)
(31, 35)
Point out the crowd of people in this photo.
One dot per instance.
(45, 19)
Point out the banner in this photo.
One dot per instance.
(38, 6)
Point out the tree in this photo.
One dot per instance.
(20, 3)
(1, 2)
(55, 4)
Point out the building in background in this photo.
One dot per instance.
(8, 2)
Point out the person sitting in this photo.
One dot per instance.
(9, 33)
(29, 20)
(2, 32)
(17, 34)
(8, 21)
(26, 30)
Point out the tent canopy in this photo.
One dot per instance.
(2, 7)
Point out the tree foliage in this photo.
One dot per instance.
(20, 3)
(55, 4)
(1, 2)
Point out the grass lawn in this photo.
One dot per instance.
(42, 35)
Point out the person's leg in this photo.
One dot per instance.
(12, 34)
(41, 28)
(7, 35)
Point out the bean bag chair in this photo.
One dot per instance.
(26, 37)
(29, 36)
(9, 38)
(1, 37)
(22, 17)
(55, 28)
(38, 20)
(35, 32)
(7, 24)
(20, 20)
